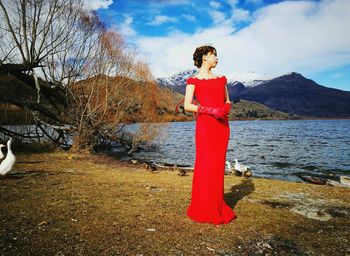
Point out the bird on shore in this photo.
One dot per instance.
(7, 164)
(150, 167)
(179, 171)
(247, 173)
(238, 167)
(134, 161)
(229, 167)
(1, 154)
(242, 169)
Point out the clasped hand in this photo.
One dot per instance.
(219, 113)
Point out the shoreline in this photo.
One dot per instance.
(156, 165)
(256, 119)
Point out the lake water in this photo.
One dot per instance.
(277, 149)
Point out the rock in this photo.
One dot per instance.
(312, 212)
(153, 188)
(337, 184)
(345, 180)
(263, 246)
(43, 223)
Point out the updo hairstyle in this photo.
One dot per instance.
(200, 51)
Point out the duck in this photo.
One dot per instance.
(247, 173)
(150, 167)
(7, 164)
(2, 154)
(179, 171)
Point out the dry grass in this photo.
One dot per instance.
(59, 204)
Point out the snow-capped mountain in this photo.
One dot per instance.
(177, 79)
(250, 78)
(253, 83)
(291, 93)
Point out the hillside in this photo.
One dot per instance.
(293, 93)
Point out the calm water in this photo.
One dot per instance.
(279, 149)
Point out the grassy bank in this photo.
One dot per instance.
(58, 204)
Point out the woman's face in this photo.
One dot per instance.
(212, 59)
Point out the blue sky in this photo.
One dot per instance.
(255, 39)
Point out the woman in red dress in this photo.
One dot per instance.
(211, 138)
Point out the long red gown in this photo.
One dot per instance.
(207, 198)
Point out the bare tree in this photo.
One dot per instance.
(76, 77)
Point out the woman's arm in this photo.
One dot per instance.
(227, 100)
(188, 99)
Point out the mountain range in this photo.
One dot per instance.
(291, 93)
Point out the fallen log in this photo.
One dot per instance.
(313, 179)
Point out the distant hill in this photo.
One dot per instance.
(246, 110)
(291, 93)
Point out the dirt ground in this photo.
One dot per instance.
(62, 204)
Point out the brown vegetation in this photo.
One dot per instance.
(65, 204)
(74, 76)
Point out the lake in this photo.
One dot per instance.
(277, 149)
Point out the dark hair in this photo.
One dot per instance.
(200, 51)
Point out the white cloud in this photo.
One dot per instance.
(168, 2)
(217, 16)
(233, 3)
(97, 4)
(301, 36)
(254, 2)
(125, 27)
(215, 4)
(159, 19)
(239, 14)
(189, 17)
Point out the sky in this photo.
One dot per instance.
(255, 39)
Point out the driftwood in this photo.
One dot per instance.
(313, 179)
(344, 181)
(168, 166)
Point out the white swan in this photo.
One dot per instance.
(240, 167)
(7, 163)
(1, 154)
(228, 167)
(243, 169)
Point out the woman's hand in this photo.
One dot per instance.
(227, 108)
(219, 113)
